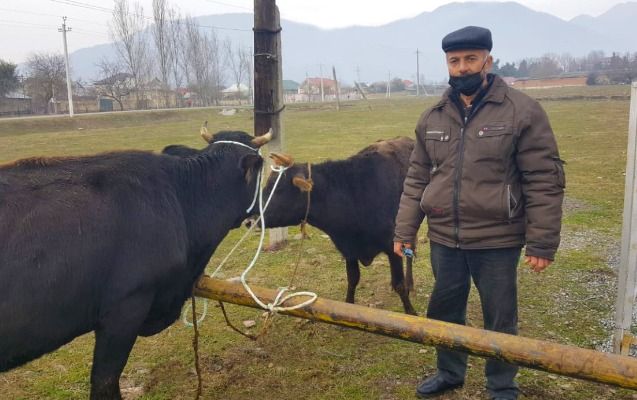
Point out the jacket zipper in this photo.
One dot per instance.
(456, 188)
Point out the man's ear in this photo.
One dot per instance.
(250, 164)
(489, 65)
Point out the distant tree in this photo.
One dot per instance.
(495, 69)
(595, 61)
(397, 85)
(8, 77)
(508, 69)
(161, 31)
(591, 79)
(46, 78)
(566, 62)
(378, 87)
(238, 59)
(204, 60)
(114, 83)
(126, 31)
(176, 47)
(523, 69)
(544, 67)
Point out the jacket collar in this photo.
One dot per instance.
(496, 94)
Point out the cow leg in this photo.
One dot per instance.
(398, 281)
(353, 277)
(114, 338)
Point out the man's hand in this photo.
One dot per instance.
(537, 264)
(398, 248)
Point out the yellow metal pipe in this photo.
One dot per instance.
(560, 359)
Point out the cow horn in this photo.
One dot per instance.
(263, 139)
(305, 185)
(204, 132)
(282, 160)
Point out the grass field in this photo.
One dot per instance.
(571, 303)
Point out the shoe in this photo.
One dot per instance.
(435, 386)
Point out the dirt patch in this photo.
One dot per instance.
(571, 206)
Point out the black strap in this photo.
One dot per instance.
(261, 112)
(261, 30)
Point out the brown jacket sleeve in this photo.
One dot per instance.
(410, 215)
(543, 183)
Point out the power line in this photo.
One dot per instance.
(50, 15)
(83, 5)
(26, 24)
(92, 32)
(230, 5)
(110, 11)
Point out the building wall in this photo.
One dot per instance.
(10, 107)
(549, 82)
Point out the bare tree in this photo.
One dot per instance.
(114, 83)
(203, 57)
(567, 62)
(130, 43)
(238, 59)
(46, 78)
(176, 46)
(215, 61)
(161, 33)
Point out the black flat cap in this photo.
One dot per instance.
(469, 37)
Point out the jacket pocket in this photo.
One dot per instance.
(437, 144)
(559, 171)
(512, 202)
(432, 203)
(494, 141)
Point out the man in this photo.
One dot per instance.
(487, 175)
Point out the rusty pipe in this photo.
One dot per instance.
(560, 359)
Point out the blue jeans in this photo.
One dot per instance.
(494, 272)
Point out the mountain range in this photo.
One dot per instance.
(374, 53)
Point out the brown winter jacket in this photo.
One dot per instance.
(495, 181)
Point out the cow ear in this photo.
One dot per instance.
(305, 185)
(250, 165)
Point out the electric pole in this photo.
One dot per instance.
(337, 88)
(388, 93)
(322, 91)
(268, 85)
(417, 72)
(69, 88)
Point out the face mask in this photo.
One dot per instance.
(467, 84)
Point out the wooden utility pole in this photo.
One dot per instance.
(268, 84)
(338, 89)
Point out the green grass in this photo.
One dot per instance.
(299, 359)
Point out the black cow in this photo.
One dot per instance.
(355, 202)
(111, 243)
(180, 151)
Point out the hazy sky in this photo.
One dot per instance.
(28, 26)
